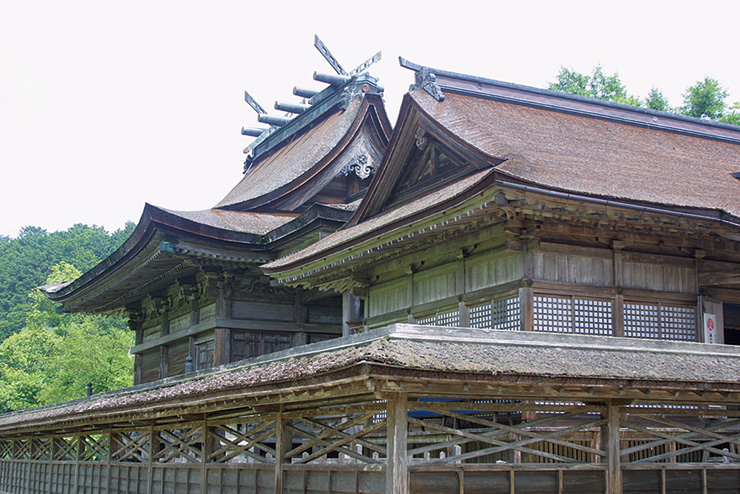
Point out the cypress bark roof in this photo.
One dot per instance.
(293, 159)
(593, 155)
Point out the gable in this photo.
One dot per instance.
(422, 157)
(343, 174)
(429, 165)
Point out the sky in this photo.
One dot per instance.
(105, 106)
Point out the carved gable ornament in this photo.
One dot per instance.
(361, 164)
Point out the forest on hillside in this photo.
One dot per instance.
(47, 356)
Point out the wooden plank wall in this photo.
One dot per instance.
(423, 285)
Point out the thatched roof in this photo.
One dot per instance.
(459, 353)
(596, 148)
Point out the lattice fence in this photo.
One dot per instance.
(356, 435)
(555, 446)
(246, 441)
(469, 432)
(679, 436)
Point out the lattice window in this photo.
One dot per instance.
(507, 314)
(446, 318)
(641, 321)
(481, 316)
(553, 314)
(656, 321)
(592, 316)
(678, 323)
(573, 315)
(503, 314)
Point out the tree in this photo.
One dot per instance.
(50, 359)
(732, 115)
(656, 101)
(705, 99)
(597, 85)
(27, 260)
(570, 81)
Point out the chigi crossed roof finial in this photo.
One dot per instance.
(310, 96)
(324, 50)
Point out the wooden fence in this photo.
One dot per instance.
(460, 446)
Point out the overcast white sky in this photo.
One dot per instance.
(107, 105)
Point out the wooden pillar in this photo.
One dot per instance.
(79, 456)
(464, 312)
(351, 311)
(526, 302)
(108, 461)
(222, 336)
(194, 313)
(612, 448)
(618, 319)
(164, 361)
(221, 346)
(207, 446)
(165, 327)
(153, 449)
(283, 444)
(138, 368)
(396, 475)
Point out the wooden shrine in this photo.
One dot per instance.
(190, 283)
(532, 292)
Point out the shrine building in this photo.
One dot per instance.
(509, 290)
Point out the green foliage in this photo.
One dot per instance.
(732, 115)
(55, 355)
(656, 101)
(47, 356)
(705, 99)
(570, 81)
(26, 261)
(597, 85)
